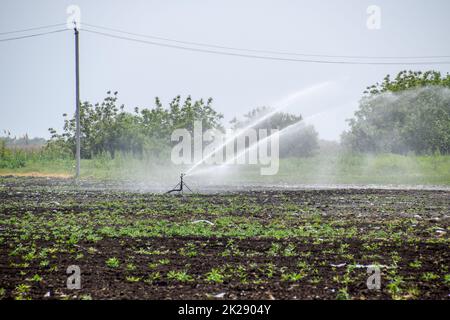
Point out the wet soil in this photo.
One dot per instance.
(404, 233)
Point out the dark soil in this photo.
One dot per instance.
(327, 239)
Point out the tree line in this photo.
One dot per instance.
(109, 128)
(410, 113)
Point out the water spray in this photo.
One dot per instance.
(282, 132)
(280, 105)
(180, 185)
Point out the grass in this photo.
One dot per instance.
(338, 168)
(37, 160)
(368, 169)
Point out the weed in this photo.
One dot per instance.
(36, 278)
(293, 276)
(447, 279)
(214, 276)
(130, 267)
(343, 294)
(113, 262)
(152, 277)
(289, 251)
(274, 250)
(21, 292)
(44, 263)
(181, 276)
(429, 276)
(133, 279)
(416, 264)
(394, 287)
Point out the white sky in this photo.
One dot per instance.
(37, 74)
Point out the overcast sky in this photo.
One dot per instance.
(37, 74)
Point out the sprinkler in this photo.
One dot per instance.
(179, 187)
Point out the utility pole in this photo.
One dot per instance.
(77, 96)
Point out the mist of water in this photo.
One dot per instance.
(224, 168)
(285, 102)
(330, 167)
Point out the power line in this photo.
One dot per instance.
(236, 48)
(221, 52)
(261, 56)
(33, 35)
(32, 29)
(263, 51)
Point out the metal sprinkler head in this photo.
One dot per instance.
(179, 187)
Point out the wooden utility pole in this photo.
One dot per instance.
(77, 112)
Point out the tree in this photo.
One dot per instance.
(300, 139)
(107, 128)
(408, 114)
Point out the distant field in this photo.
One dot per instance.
(321, 169)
